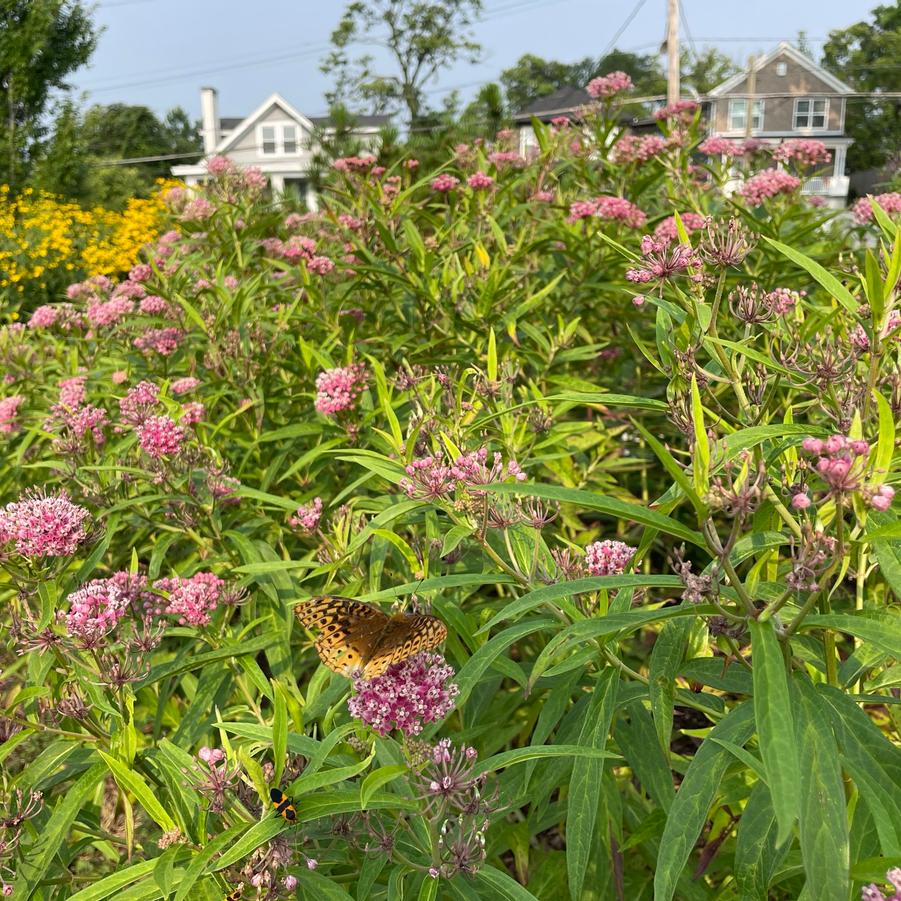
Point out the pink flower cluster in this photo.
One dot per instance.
(192, 600)
(354, 163)
(338, 389)
(138, 402)
(9, 411)
(667, 231)
(198, 210)
(860, 339)
(802, 152)
(721, 147)
(184, 385)
(163, 341)
(160, 436)
(63, 315)
(95, 609)
(608, 558)
(429, 478)
(782, 300)
(44, 525)
(873, 893)
(153, 305)
(72, 391)
(611, 208)
(307, 516)
(407, 696)
(842, 464)
(608, 85)
(862, 210)
(683, 110)
(501, 158)
(635, 149)
(662, 259)
(479, 181)
(767, 184)
(445, 183)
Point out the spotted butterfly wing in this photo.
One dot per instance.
(354, 635)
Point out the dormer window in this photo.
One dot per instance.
(278, 139)
(811, 113)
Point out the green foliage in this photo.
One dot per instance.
(41, 43)
(865, 56)
(422, 37)
(672, 620)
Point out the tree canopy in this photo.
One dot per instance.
(420, 38)
(41, 43)
(866, 57)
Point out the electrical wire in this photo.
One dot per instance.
(622, 28)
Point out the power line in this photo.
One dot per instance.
(635, 11)
(691, 41)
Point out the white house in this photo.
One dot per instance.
(276, 137)
(790, 96)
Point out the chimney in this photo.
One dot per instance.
(209, 119)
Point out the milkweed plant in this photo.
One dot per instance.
(619, 411)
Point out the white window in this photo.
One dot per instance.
(738, 115)
(267, 138)
(289, 138)
(781, 68)
(811, 113)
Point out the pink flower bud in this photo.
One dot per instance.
(801, 501)
(835, 443)
(812, 445)
(859, 447)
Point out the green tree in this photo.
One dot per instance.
(41, 43)
(706, 69)
(866, 57)
(77, 160)
(421, 38)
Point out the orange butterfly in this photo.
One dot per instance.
(354, 635)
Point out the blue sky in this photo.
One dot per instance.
(161, 52)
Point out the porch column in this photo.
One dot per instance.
(838, 167)
(277, 184)
(311, 199)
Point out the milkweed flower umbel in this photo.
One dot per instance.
(194, 599)
(95, 609)
(44, 525)
(407, 696)
(608, 85)
(338, 389)
(608, 558)
(767, 184)
(307, 517)
(160, 436)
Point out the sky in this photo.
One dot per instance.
(159, 53)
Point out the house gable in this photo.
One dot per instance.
(273, 109)
(803, 76)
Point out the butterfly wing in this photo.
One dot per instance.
(404, 636)
(349, 630)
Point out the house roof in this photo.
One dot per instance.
(560, 102)
(784, 49)
(360, 121)
(230, 122)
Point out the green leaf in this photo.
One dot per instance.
(258, 834)
(775, 726)
(492, 356)
(132, 781)
(823, 276)
(279, 732)
(881, 629)
(308, 783)
(55, 830)
(756, 854)
(585, 783)
(674, 470)
(666, 658)
(533, 752)
(694, 798)
(501, 885)
(111, 884)
(587, 500)
(885, 444)
(550, 593)
(824, 840)
(201, 860)
(701, 453)
(376, 779)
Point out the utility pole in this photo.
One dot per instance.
(672, 52)
(752, 90)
